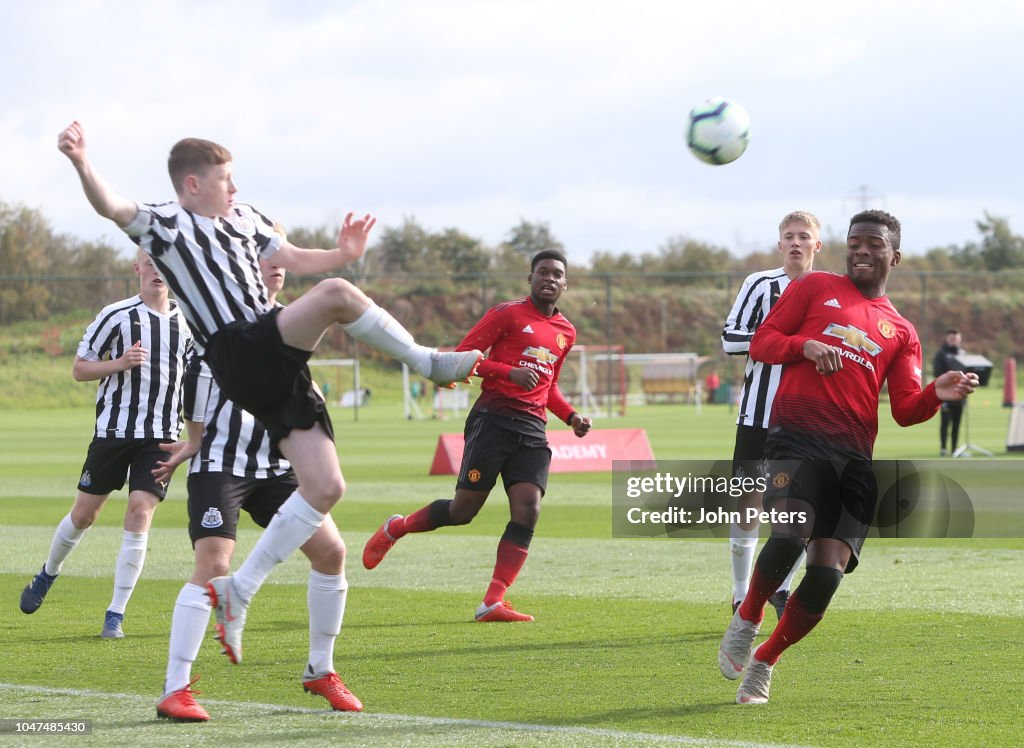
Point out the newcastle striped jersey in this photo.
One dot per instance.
(210, 264)
(143, 402)
(757, 296)
(233, 440)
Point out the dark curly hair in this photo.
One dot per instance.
(883, 219)
(548, 254)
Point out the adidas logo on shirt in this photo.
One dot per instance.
(528, 329)
(833, 303)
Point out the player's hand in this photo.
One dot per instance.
(581, 425)
(353, 236)
(955, 385)
(827, 358)
(71, 142)
(177, 453)
(525, 378)
(134, 356)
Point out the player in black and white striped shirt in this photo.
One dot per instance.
(799, 242)
(207, 249)
(137, 348)
(233, 468)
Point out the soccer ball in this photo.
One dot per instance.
(717, 131)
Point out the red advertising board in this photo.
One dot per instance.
(569, 454)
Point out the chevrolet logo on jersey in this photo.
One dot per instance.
(540, 354)
(854, 338)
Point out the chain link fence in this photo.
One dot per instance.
(643, 313)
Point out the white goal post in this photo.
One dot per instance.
(333, 386)
(446, 403)
(594, 380)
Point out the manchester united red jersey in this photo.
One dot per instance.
(516, 334)
(877, 344)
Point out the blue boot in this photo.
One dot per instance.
(35, 591)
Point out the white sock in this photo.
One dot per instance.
(325, 596)
(129, 566)
(385, 333)
(188, 628)
(65, 540)
(291, 527)
(742, 544)
(787, 583)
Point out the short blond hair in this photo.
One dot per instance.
(801, 216)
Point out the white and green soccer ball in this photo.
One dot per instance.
(718, 131)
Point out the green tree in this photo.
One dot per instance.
(607, 262)
(25, 239)
(27, 249)
(452, 251)
(999, 249)
(323, 237)
(402, 249)
(524, 241)
(684, 255)
(936, 259)
(52, 273)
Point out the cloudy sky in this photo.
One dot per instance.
(477, 114)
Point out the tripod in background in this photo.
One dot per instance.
(967, 449)
(972, 363)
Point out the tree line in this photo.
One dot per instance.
(31, 253)
(439, 282)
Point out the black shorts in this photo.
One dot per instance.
(267, 377)
(748, 460)
(837, 488)
(214, 501)
(109, 462)
(492, 449)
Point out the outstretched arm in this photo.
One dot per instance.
(910, 403)
(488, 330)
(352, 240)
(106, 202)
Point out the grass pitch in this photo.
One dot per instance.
(920, 646)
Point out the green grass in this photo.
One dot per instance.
(920, 646)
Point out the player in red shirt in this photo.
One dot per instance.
(840, 339)
(505, 431)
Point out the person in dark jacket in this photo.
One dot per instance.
(952, 411)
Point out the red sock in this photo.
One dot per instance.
(795, 624)
(418, 521)
(511, 558)
(761, 588)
